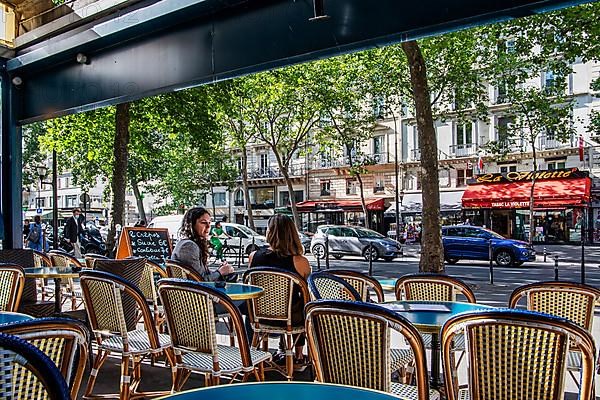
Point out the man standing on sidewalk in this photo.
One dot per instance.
(72, 231)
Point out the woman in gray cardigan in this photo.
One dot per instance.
(192, 248)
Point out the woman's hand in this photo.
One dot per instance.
(225, 269)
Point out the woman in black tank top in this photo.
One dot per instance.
(285, 252)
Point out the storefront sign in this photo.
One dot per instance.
(510, 204)
(571, 173)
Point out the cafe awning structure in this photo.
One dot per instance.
(555, 193)
(339, 205)
(413, 203)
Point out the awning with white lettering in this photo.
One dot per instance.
(554, 193)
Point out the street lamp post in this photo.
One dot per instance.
(42, 171)
(396, 176)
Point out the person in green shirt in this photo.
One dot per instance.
(215, 242)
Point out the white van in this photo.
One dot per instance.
(251, 240)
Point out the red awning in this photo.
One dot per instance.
(339, 205)
(554, 193)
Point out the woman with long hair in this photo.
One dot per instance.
(192, 248)
(285, 251)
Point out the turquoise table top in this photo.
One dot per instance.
(10, 317)
(50, 272)
(387, 284)
(281, 390)
(429, 316)
(237, 291)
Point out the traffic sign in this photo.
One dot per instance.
(84, 198)
(38, 211)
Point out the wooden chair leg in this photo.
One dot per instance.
(125, 378)
(100, 358)
(289, 355)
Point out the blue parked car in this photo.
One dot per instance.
(472, 243)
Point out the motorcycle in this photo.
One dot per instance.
(90, 240)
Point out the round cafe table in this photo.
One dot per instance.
(281, 390)
(57, 274)
(7, 317)
(388, 284)
(237, 291)
(429, 317)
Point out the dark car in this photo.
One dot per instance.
(354, 240)
(472, 243)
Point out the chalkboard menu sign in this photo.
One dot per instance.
(153, 244)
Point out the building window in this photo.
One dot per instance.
(464, 134)
(325, 188)
(351, 186)
(40, 202)
(462, 176)
(556, 165)
(379, 184)
(378, 145)
(71, 200)
(219, 199)
(264, 163)
(263, 197)
(240, 164)
(284, 197)
(238, 198)
(508, 168)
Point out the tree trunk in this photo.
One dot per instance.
(362, 201)
(119, 179)
(284, 171)
(432, 252)
(247, 189)
(139, 200)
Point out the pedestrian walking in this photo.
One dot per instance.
(73, 229)
(35, 237)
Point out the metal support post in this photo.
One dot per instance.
(370, 259)
(556, 267)
(491, 262)
(545, 253)
(326, 251)
(582, 255)
(240, 254)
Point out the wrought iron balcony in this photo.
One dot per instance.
(547, 142)
(463, 150)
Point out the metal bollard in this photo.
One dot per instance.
(582, 256)
(240, 254)
(326, 251)
(545, 253)
(491, 253)
(370, 259)
(556, 267)
(318, 263)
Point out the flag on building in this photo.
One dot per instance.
(480, 164)
(581, 148)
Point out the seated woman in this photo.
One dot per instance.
(285, 251)
(192, 248)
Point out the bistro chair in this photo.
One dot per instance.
(516, 354)
(364, 284)
(190, 313)
(271, 313)
(64, 341)
(90, 259)
(573, 301)
(115, 329)
(12, 280)
(60, 259)
(176, 269)
(350, 344)
(27, 373)
(322, 285)
(148, 288)
(434, 287)
(27, 258)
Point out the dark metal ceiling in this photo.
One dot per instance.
(171, 44)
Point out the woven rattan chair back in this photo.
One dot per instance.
(25, 259)
(178, 270)
(147, 283)
(516, 354)
(432, 287)
(322, 285)
(19, 358)
(90, 260)
(12, 281)
(104, 294)
(40, 260)
(350, 344)
(362, 283)
(573, 301)
(278, 286)
(64, 341)
(61, 259)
